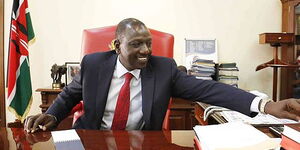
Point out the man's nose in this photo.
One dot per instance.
(145, 49)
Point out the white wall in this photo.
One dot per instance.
(234, 23)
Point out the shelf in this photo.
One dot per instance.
(285, 66)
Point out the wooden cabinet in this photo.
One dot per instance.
(48, 96)
(276, 38)
(289, 53)
(181, 117)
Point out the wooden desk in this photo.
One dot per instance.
(96, 139)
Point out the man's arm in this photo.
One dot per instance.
(67, 99)
(63, 104)
(210, 92)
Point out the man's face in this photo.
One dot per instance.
(135, 47)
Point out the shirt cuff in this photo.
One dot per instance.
(254, 104)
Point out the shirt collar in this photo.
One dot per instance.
(121, 70)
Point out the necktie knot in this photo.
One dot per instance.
(128, 76)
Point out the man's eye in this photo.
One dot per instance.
(149, 44)
(136, 44)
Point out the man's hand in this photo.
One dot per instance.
(35, 138)
(33, 123)
(288, 108)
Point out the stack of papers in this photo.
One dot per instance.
(260, 119)
(67, 139)
(234, 116)
(233, 136)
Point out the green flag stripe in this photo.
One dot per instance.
(23, 90)
(29, 28)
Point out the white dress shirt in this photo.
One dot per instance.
(135, 115)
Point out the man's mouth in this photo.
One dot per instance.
(143, 58)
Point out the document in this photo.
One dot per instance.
(233, 116)
(234, 136)
(259, 119)
(67, 139)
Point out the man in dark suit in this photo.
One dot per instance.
(153, 80)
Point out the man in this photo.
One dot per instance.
(151, 80)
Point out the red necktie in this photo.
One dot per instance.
(122, 107)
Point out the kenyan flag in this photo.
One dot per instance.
(19, 83)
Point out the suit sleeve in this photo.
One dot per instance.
(68, 98)
(210, 92)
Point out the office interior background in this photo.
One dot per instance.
(236, 24)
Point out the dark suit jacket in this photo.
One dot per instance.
(160, 80)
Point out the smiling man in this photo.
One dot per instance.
(134, 39)
(129, 89)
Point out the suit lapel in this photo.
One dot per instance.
(147, 93)
(106, 70)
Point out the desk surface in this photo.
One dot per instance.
(17, 139)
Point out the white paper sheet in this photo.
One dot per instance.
(235, 135)
(65, 136)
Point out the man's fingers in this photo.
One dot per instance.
(294, 105)
(37, 122)
(49, 125)
(290, 115)
(25, 124)
(29, 122)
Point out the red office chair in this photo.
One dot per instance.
(99, 39)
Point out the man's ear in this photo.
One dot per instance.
(117, 46)
(117, 43)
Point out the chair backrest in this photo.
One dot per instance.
(99, 39)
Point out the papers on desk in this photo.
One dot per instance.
(212, 109)
(233, 136)
(260, 119)
(233, 116)
(66, 139)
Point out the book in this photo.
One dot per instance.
(228, 73)
(197, 143)
(202, 69)
(67, 139)
(233, 136)
(292, 131)
(289, 144)
(291, 137)
(235, 69)
(227, 65)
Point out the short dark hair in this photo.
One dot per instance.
(124, 23)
